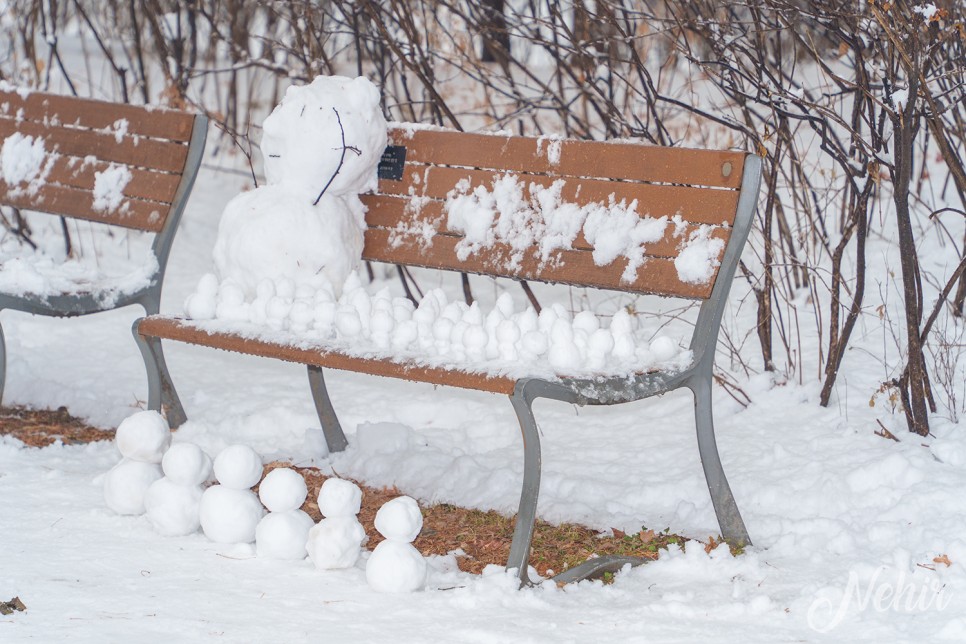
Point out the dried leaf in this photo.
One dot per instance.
(618, 534)
(6, 608)
(711, 545)
(647, 536)
(943, 559)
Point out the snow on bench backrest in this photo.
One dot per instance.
(614, 215)
(105, 162)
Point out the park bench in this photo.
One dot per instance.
(701, 187)
(121, 165)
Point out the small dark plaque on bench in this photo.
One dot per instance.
(392, 162)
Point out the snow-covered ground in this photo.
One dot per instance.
(847, 525)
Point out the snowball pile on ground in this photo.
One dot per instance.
(230, 512)
(142, 439)
(336, 541)
(173, 503)
(395, 565)
(496, 340)
(321, 147)
(284, 531)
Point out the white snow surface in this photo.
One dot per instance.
(842, 519)
(106, 263)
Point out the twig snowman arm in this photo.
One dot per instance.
(341, 158)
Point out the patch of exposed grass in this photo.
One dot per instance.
(485, 537)
(43, 427)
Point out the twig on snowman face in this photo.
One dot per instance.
(341, 158)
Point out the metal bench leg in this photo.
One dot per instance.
(334, 436)
(162, 396)
(729, 519)
(527, 514)
(3, 363)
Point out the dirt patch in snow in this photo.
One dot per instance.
(43, 427)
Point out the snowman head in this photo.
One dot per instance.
(329, 130)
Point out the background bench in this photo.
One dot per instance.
(703, 187)
(162, 150)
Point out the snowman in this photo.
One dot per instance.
(395, 566)
(173, 503)
(321, 147)
(142, 439)
(336, 542)
(284, 531)
(230, 511)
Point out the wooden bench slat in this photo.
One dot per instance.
(182, 331)
(63, 200)
(698, 205)
(92, 114)
(144, 184)
(657, 276)
(394, 214)
(616, 160)
(144, 153)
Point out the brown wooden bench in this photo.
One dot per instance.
(702, 187)
(83, 139)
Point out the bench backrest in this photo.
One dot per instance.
(702, 187)
(84, 139)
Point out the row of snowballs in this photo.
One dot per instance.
(571, 345)
(167, 483)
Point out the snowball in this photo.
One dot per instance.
(126, 484)
(339, 498)
(143, 436)
(186, 464)
(282, 490)
(663, 348)
(200, 307)
(238, 467)
(396, 567)
(399, 519)
(174, 510)
(335, 542)
(302, 139)
(229, 515)
(207, 285)
(347, 321)
(275, 232)
(283, 535)
(586, 321)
